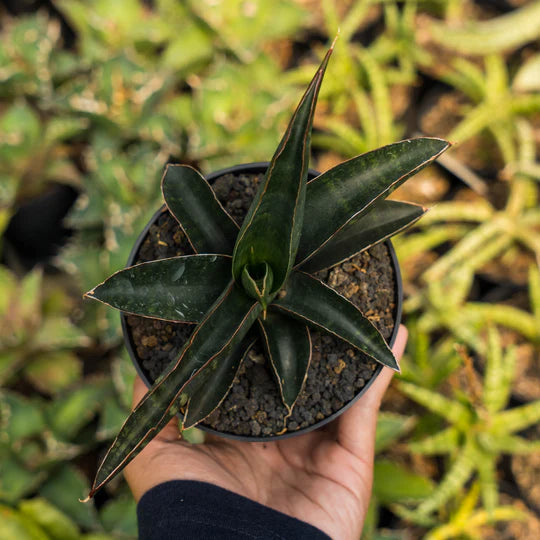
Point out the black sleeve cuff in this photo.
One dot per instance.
(184, 509)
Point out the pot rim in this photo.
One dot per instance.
(259, 168)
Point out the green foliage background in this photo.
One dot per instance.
(212, 83)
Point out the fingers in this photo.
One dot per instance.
(171, 431)
(356, 427)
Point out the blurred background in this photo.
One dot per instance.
(97, 96)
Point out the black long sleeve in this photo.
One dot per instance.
(188, 510)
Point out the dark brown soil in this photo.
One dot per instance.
(337, 371)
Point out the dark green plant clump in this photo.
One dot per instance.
(261, 273)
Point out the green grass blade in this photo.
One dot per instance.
(191, 200)
(517, 418)
(499, 372)
(381, 222)
(456, 476)
(350, 189)
(308, 299)
(509, 444)
(288, 345)
(443, 442)
(534, 293)
(271, 230)
(453, 411)
(495, 35)
(488, 482)
(178, 289)
(225, 324)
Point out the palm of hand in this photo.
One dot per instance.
(323, 477)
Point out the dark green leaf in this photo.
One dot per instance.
(349, 189)
(257, 282)
(180, 289)
(225, 325)
(271, 230)
(383, 220)
(211, 386)
(288, 345)
(193, 203)
(313, 302)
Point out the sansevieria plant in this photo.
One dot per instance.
(260, 273)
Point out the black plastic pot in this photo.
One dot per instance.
(260, 168)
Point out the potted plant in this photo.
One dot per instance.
(259, 275)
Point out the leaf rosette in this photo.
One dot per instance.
(260, 274)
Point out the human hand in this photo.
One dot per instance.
(323, 477)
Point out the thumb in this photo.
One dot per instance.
(356, 428)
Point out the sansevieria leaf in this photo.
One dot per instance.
(180, 289)
(271, 230)
(383, 220)
(308, 299)
(225, 325)
(206, 391)
(351, 188)
(193, 203)
(288, 346)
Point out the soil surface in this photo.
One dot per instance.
(337, 372)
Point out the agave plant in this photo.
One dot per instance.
(260, 273)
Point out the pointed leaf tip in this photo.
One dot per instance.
(317, 304)
(349, 190)
(225, 324)
(271, 229)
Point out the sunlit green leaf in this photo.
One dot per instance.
(394, 483)
(13, 525)
(69, 413)
(53, 371)
(56, 524)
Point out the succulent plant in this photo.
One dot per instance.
(260, 273)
